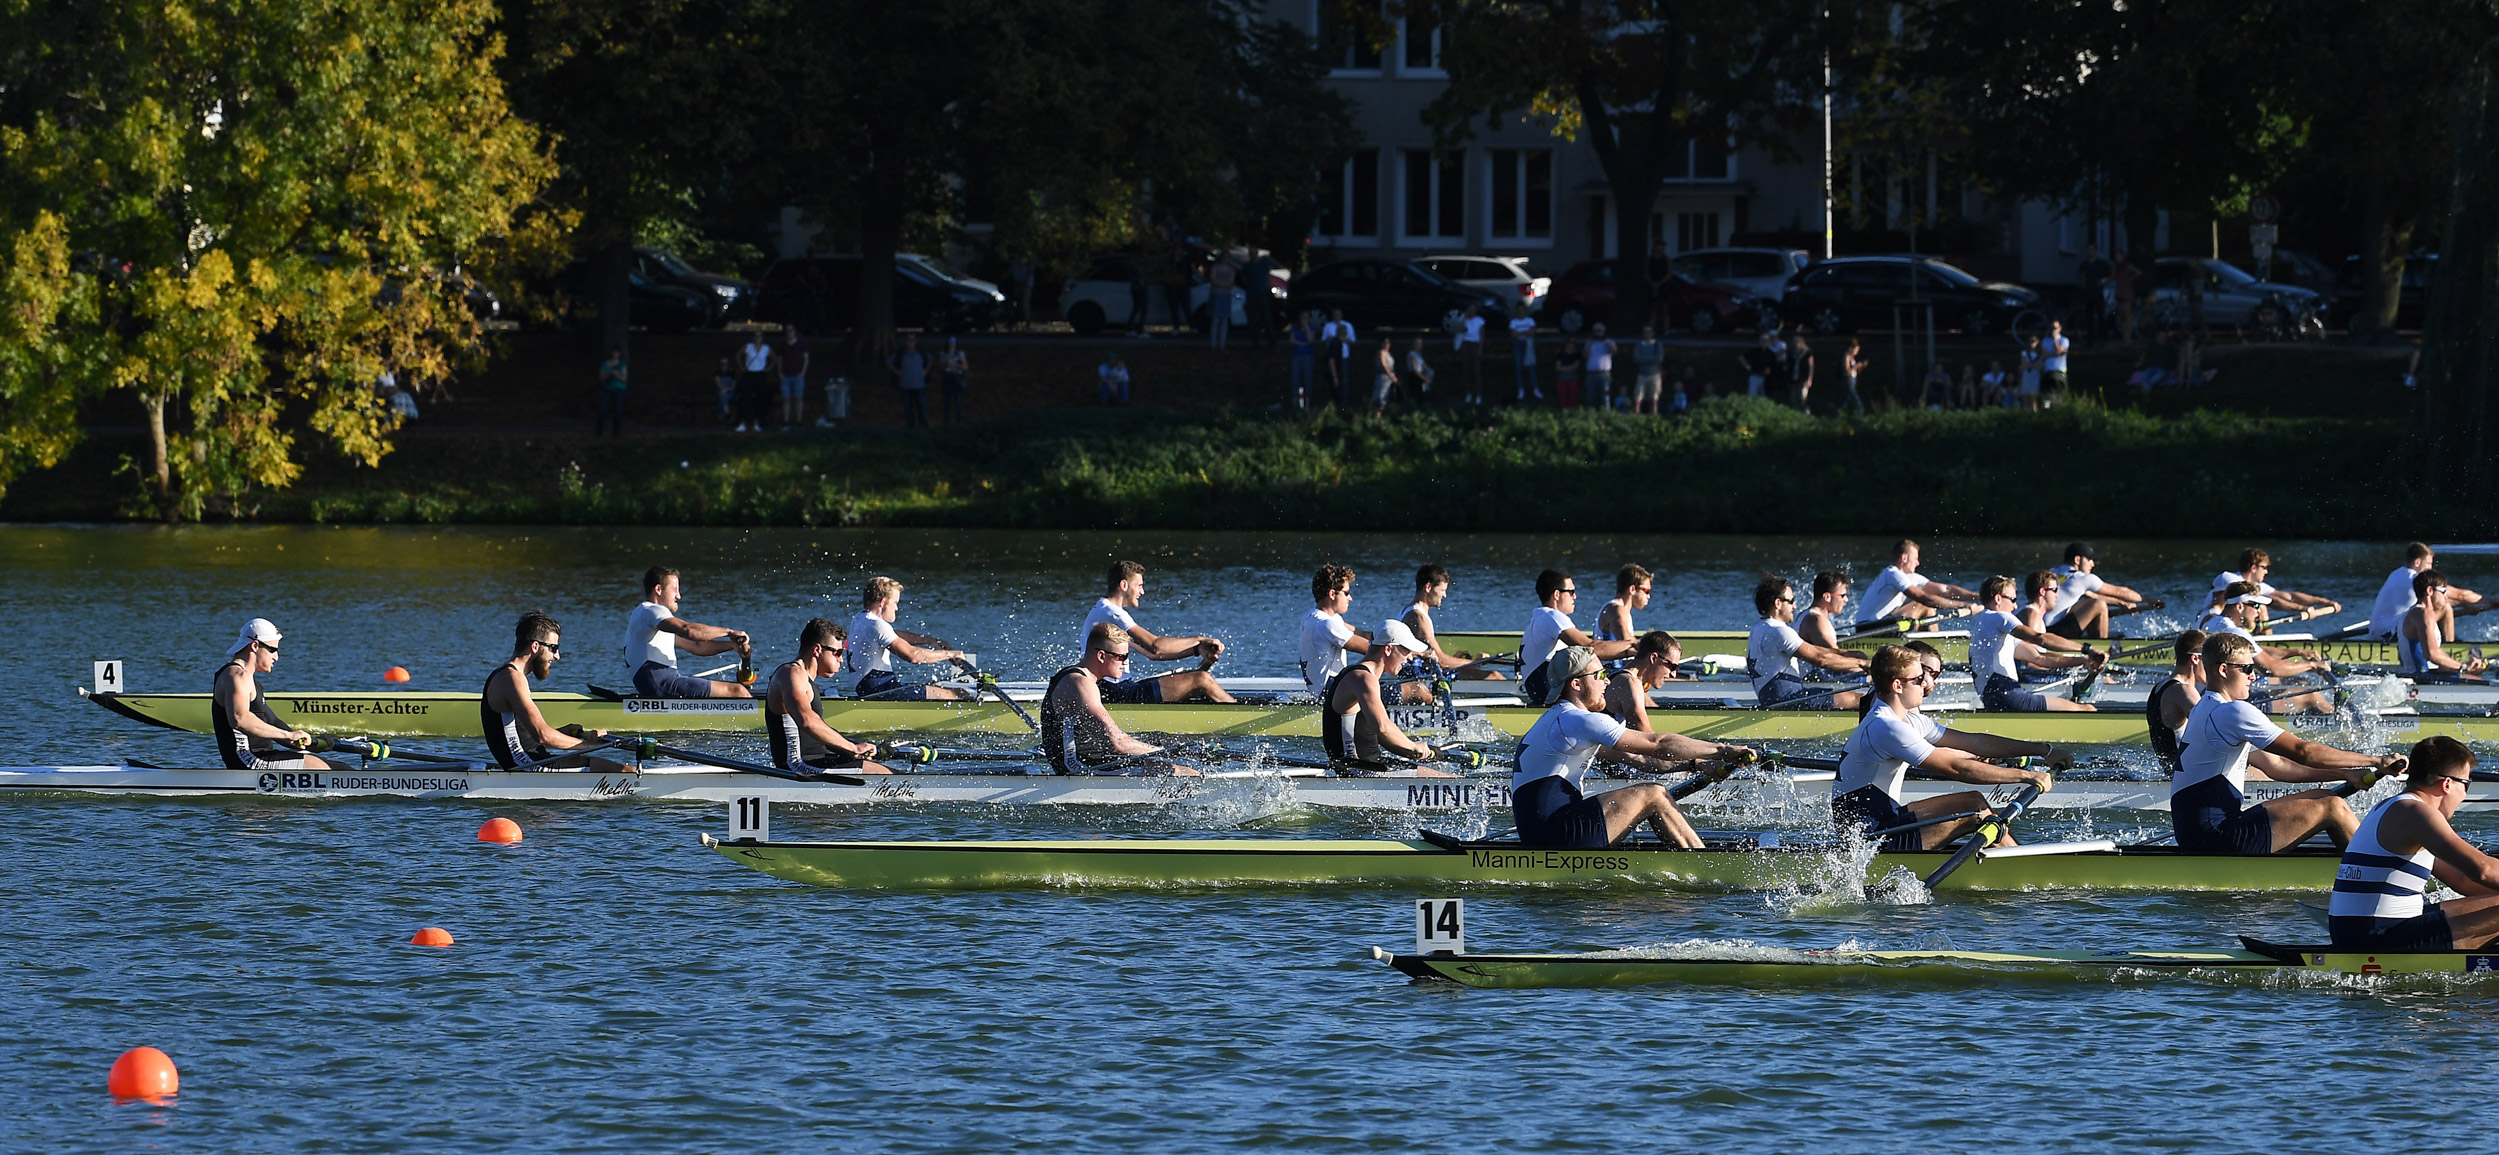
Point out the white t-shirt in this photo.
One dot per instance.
(2215, 742)
(2217, 624)
(1886, 593)
(2224, 579)
(2054, 348)
(645, 641)
(1883, 748)
(1563, 743)
(1771, 651)
(1471, 330)
(871, 644)
(758, 356)
(2070, 589)
(1104, 610)
(1542, 639)
(1323, 648)
(1992, 646)
(2386, 615)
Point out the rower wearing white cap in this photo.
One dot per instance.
(1550, 628)
(875, 645)
(1775, 655)
(2208, 794)
(1327, 642)
(2395, 598)
(248, 731)
(1354, 724)
(2404, 844)
(1553, 760)
(516, 733)
(2000, 644)
(1127, 591)
(2084, 598)
(2420, 648)
(1900, 591)
(1895, 736)
(2241, 608)
(2255, 565)
(652, 637)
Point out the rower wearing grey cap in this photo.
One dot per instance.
(2084, 598)
(2241, 607)
(1546, 796)
(1354, 724)
(248, 731)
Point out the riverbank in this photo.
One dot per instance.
(1735, 466)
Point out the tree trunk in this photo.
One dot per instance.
(2382, 244)
(2451, 443)
(880, 237)
(613, 268)
(1635, 196)
(159, 463)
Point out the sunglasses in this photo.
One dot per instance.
(552, 647)
(1117, 655)
(2247, 668)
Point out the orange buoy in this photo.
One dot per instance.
(143, 1073)
(395, 674)
(432, 936)
(499, 830)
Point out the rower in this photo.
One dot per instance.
(652, 638)
(2254, 566)
(1431, 590)
(880, 645)
(1819, 623)
(2208, 795)
(1127, 591)
(1078, 735)
(2241, 606)
(1553, 759)
(1775, 655)
(1631, 592)
(2166, 708)
(1999, 640)
(1654, 656)
(2386, 615)
(1325, 638)
(2420, 648)
(248, 731)
(1895, 736)
(2405, 842)
(1900, 591)
(802, 742)
(1550, 629)
(2084, 598)
(516, 733)
(1354, 724)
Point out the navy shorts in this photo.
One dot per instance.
(2210, 819)
(2003, 693)
(1782, 689)
(1552, 814)
(1867, 809)
(1532, 687)
(2066, 627)
(654, 680)
(1132, 691)
(2424, 931)
(883, 686)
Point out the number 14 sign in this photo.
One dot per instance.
(1440, 926)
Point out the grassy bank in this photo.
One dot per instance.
(1735, 466)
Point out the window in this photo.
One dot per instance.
(1343, 44)
(1700, 158)
(1422, 43)
(1522, 193)
(1349, 206)
(1696, 231)
(1435, 194)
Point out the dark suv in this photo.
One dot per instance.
(726, 298)
(821, 295)
(1847, 293)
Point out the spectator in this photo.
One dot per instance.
(1938, 385)
(2052, 363)
(1800, 372)
(1258, 304)
(2088, 278)
(1853, 365)
(1137, 294)
(1761, 363)
(1991, 386)
(1385, 380)
(1681, 402)
(1471, 352)
(1336, 347)
(2030, 374)
(726, 384)
(1303, 337)
(1965, 395)
(402, 401)
(910, 369)
(1598, 385)
(1020, 279)
(1220, 280)
(611, 393)
(1648, 363)
(1114, 378)
(1179, 273)
(2122, 278)
(755, 384)
(953, 375)
(1657, 271)
(1523, 354)
(1566, 368)
(1419, 371)
(793, 379)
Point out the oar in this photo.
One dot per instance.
(1800, 762)
(383, 752)
(2147, 605)
(923, 753)
(2271, 624)
(752, 767)
(1904, 625)
(985, 681)
(2345, 633)
(2373, 777)
(1985, 835)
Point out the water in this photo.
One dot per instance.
(617, 987)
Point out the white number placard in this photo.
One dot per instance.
(1440, 926)
(750, 817)
(108, 677)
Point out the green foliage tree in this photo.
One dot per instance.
(239, 213)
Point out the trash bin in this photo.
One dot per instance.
(836, 400)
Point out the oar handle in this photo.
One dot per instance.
(1988, 830)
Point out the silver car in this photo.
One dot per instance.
(1508, 276)
(1762, 273)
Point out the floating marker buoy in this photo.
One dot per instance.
(499, 830)
(143, 1073)
(432, 936)
(395, 674)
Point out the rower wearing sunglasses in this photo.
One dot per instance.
(1895, 736)
(2208, 795)
(516, 733)
(2242, 607)
(1078, 734)
(801, 740)
(248, 731)
(2404, 843)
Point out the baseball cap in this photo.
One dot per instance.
(1571, 662)
(2080, 549)
(256, 630)
(1394, 633)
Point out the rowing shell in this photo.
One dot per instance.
(1723, 866)
(1770, 966)
(435, 714)
(1954, 646)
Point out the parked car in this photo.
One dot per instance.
(2412, 300)
(821, 295)
(2233, 299)
(1507, 277)
(1585, 294)
(1377, 292)
(659, 307)
(1100, 298)
(1760, 273)
(1847, 293)
(729, 298)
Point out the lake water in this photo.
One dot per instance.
(616, 986)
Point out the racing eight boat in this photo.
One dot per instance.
(1772, 966)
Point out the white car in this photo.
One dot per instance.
(1100, 299)
(1762, 273)
(1508, 276)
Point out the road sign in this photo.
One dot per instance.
(2262, 210)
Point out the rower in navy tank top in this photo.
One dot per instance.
(2420, 643)
(802, 742)
(248, 731)
(1354, 723)
(2406, 843)
(516, 733)
(1078, 734)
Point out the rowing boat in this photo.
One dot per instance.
(1954, 646)
(1746, 864)
(1771, 966)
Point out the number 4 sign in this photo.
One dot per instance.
(1440, 926)
(108, 677)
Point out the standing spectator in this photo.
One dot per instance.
(793, 379)
(1384, 381)
(910, 369)
(2088, 277)
(1853, 365)
(1303, 336)
(726, 384)
(1471, 352)
(1566, 366)
(1800, 372)
(1523, 355)
(1419, 371)
(1179, 273)
(1761, 363)
(1137, 294)
(1020, 279)
(953, 374)
(1648, 363)
(611, 393)
(1219, 282)
(1657, 272)
(2122, 278)
(1336, 345)
(1113, 376)
(2052, 363)
(2030, 374)
(1259, 299)
(754, 384)
(1598, 385)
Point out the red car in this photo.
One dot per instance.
(1585, 295)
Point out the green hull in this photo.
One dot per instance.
(1954, 645)
(1774, 967)
(1217, 862)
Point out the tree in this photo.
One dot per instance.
(2455, 451)
(240, 212)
